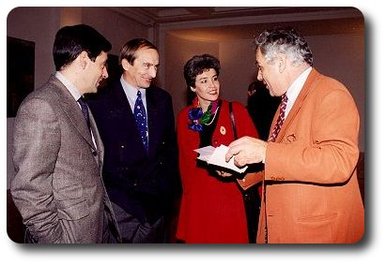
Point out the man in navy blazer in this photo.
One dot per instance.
(142, 180)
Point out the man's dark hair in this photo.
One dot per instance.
(70, 41)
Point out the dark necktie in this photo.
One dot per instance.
(280, 119)
(140, 118)
(84, 107)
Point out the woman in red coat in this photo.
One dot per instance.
(212, 207)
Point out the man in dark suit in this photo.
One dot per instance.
(57, 151)
(141, 169)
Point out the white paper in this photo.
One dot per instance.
(216, 156)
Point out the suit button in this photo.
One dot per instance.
(122, 146)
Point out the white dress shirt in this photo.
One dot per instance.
(131, 94)
(294, 90)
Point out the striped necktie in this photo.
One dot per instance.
(280, 118)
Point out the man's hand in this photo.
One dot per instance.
(247, 150)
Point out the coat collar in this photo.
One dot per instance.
(310, 83)
(70, 107)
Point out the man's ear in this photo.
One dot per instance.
(125, 64)
(83, 59)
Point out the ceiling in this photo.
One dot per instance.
(202, 23)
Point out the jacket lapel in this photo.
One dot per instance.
(308, 86)
(97, 138)
(152, 114)
(72, 110)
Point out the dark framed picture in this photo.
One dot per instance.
(20, 72)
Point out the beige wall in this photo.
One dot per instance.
(238, 68)
(38, 25)
(177, 53)
(116, 28)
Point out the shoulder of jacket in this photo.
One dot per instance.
(158, 91)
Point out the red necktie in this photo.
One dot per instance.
(280, 119)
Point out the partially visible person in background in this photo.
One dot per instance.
(57, 150)
(310, 186)
(262, 107)
(136, 122)
(212, 207)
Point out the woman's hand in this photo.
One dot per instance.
(223, 174)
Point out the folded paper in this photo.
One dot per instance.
(216, 156)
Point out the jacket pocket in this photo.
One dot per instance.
(318, 229)
(318, 218)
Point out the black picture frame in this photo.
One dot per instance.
(20, 72)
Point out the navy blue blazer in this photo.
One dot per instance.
(145, 184)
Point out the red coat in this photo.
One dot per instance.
(211, 211)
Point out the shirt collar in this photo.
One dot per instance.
(70, 86)
(294, 90)
(131, 91)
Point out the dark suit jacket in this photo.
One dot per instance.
(58, 186)
(143, 184)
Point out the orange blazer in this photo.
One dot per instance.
(311, 192)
